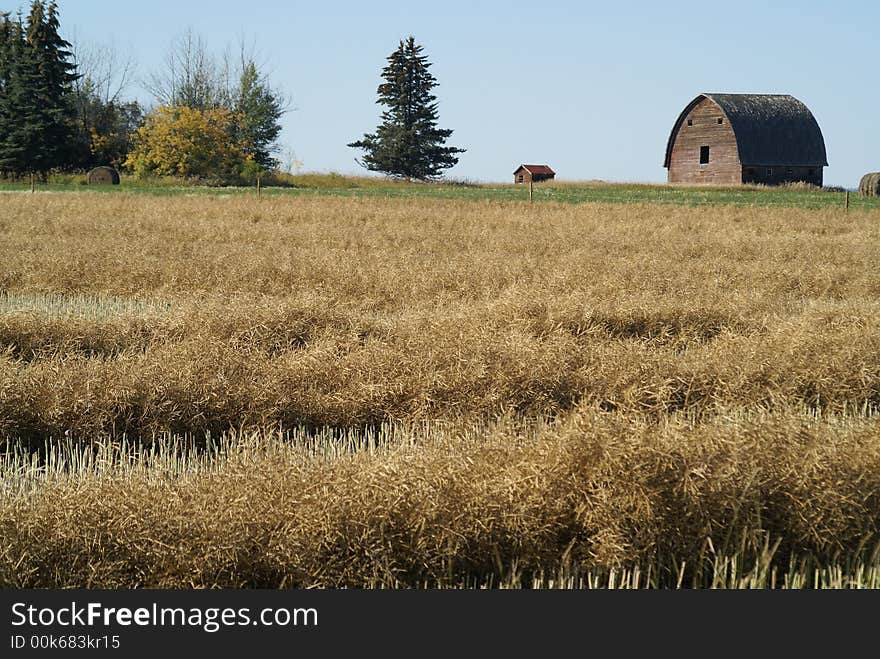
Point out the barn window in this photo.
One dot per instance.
(789, 171)
(720, 120)
(520, 179)
(769, 171)
(704, 155)
(690, 122)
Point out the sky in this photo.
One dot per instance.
(590, 88)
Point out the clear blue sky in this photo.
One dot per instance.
(591, 88)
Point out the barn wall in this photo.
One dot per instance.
(776, 175)
(724, 167)
(524, 173)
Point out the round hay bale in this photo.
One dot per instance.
(870, 185)
(103, 176)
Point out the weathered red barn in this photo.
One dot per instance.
(726, 139)
(534, 173)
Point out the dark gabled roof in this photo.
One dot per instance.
(770, 129)
(536, 169)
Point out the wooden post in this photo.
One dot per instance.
(33, 184)
(846, 203)
(259, 188)
(530, 190)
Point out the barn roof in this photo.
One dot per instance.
(536, 169)
(770, 129)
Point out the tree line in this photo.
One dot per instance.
(218, 121)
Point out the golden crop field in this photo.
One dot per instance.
(221, 391)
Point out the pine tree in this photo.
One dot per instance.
(5, 44)
(24, 120)
(407, 143)
(6, 31)
(53, 88)
(259, 109)
(36, 109)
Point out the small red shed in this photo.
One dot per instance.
(534, 173)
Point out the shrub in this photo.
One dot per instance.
(190, 143)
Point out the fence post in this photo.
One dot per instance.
(530, 190)
(259, 187)
(846, 203)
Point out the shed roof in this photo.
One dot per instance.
(770, 129)
(536, 169)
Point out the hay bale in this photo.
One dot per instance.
(103, 176)
(870, 185)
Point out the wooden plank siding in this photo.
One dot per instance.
(522, 175)
(728, 139)
(724, 167)
(541, 173)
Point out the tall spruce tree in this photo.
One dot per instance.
(6, 32)
(5, 44)
(259, 109)
(36, 110)
(23, 120)
(408, 144)
(54, 89)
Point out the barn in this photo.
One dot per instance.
(534, 173)
(729, 139)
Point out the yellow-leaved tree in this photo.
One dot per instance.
(182, 141)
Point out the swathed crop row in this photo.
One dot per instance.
(435, 505)
(304, 364)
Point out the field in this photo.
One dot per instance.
(335, 185)
(403, 389)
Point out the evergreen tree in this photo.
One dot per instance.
(5, 39)
(24, 119)
(36, 110)
(6, 31)
(259, 109)
(407, 143)
(53, 89)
